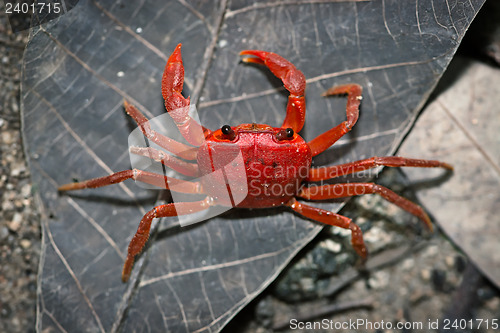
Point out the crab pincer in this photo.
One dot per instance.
(177, 106)
(293, 80)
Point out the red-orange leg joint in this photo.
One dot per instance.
(179, 149)
(354, 95)
(333, 219)
(323, 141)
(343, 190)
(141, 236)
(323, 173)
(295, 113)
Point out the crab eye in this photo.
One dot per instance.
(285, 134)
(228, 132)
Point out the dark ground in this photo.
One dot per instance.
(433, 277)
(19, 221)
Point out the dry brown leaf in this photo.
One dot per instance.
(462, 127)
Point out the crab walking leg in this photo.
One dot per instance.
(185, 168)
(177, 185)
(293, 80)
(323, 173)
(333, 219)
(140, 238)
(343, 190)
(323, 141)
(177, 148)
(176, 105)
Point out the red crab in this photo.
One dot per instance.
(275, 158)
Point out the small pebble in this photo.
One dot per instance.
(223, 43)
(408, 263)
(25, 243)
(307, 284)
(379, 280)
(4, 232)
(450, 261)
(7, 205)
(331, 246)
(26, 190)
(16, 222)
(7, 137)
(17, 169)
(425, 274)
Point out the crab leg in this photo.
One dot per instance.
(343, 190)
(323, 141)
(293, 80)
(177, 185)
(177, 148)
(185, 168)
(141, 236)
(176, 105)
(333, 219)
(323, 173)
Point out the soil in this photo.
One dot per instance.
(19, 219)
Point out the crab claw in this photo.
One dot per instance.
(173, 81)
(176, 105)
(293, 80)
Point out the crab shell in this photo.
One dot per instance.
(256, 167)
